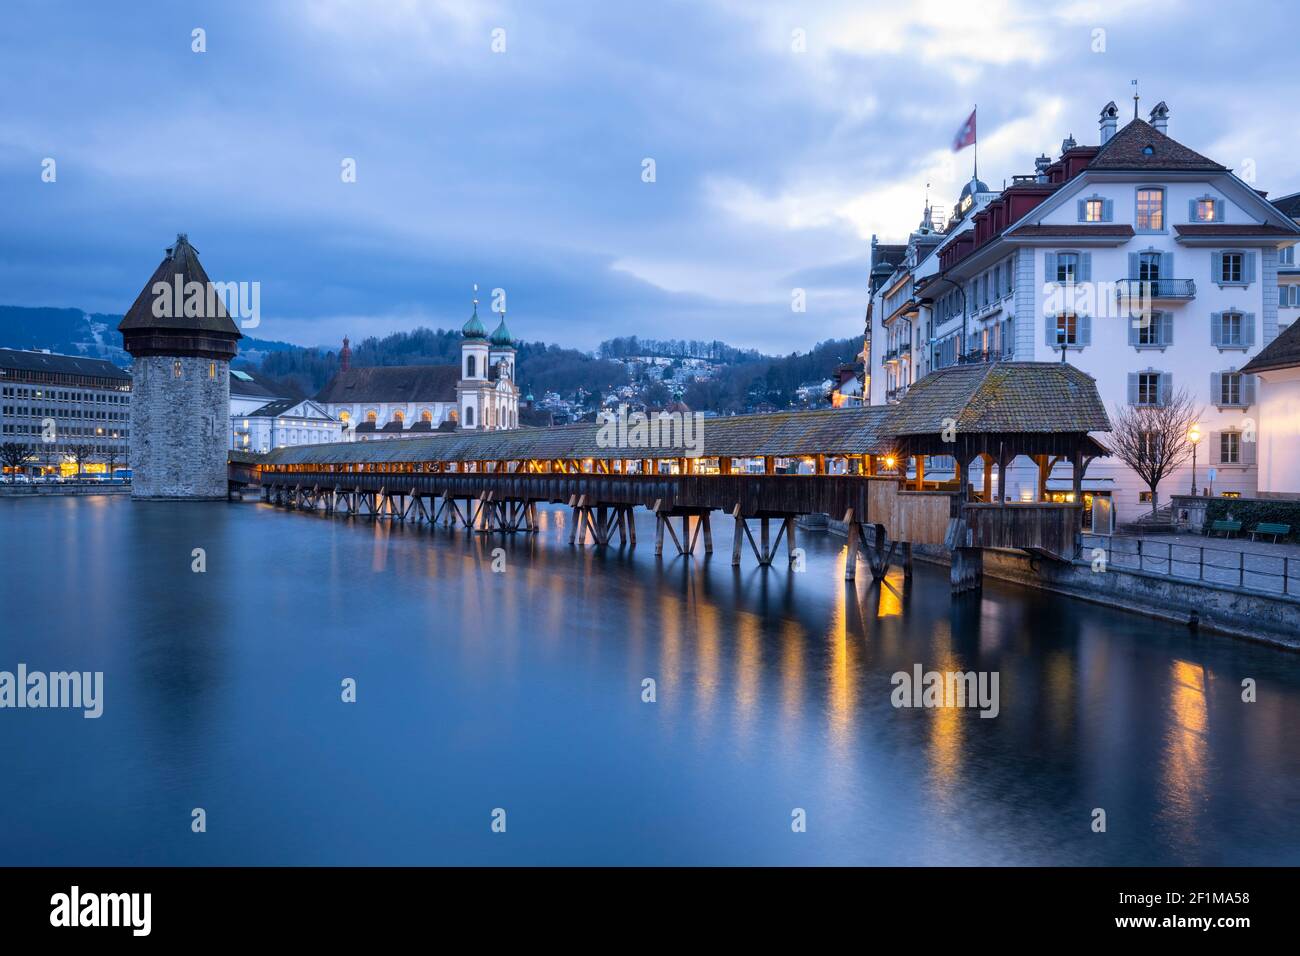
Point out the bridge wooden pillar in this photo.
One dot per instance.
(967, 571)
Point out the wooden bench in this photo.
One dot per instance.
(1276, 530)
(1227, 527)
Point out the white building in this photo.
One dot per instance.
(1277, 367)
(248, 393)
(283, 422)
(1042, 272)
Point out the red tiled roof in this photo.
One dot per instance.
(1139, 145)
(393, 383)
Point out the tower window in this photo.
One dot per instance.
(176, 369)
(212, 370)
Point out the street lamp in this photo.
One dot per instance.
(1194, 436)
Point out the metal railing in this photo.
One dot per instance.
(1228, 567)
(1156, 288)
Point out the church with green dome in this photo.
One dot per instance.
(487, 396)
(406, 401)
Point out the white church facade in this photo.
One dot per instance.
(405, 401)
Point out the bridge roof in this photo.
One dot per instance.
(851, 431)
(1002, 398)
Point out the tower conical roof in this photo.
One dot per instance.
(181, 266)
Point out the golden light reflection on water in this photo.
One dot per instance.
(749, 674)
(708, 664)
(947, 732)
(891, 597)
(840, 709)
(1183, 767)
(1061, 692)
(792, 677)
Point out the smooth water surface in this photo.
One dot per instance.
(522, 690)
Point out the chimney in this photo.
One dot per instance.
(1040, 167)
(1109, 117)
(1160, 118)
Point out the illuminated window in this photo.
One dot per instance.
(1094, 210)
(176, 369)
(1151, 210)
(1067, 329)
(212, 370)
(1206, 210)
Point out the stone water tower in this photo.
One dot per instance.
(181, 341)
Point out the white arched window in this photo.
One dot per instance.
(469, 413)
(469, 366)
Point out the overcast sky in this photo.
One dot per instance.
(523, 169)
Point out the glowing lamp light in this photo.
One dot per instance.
(890, 461)
(1194, 434)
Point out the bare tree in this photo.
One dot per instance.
(80, 454)
(13, 454)
(1152, 439)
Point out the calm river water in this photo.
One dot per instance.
(521, 690)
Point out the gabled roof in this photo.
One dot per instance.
(21, 360)
(393, 383)
(1282, 352)
(1139, 145)
(283, 406)
(1001, 397)
(1289, 205)
(180, 260)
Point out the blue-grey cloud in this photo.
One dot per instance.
(522, 169)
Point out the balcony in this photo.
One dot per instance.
(1156, 290)
(894, 394)
(983, 356)
(891, 356)
(905, 349)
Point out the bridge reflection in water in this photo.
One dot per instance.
(523, 689)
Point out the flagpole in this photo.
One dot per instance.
(975, 113)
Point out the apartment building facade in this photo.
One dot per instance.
(72, 413)
(1139, 261)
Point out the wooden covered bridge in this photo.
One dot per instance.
(865, 466)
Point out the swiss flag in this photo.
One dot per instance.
(966, 135)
